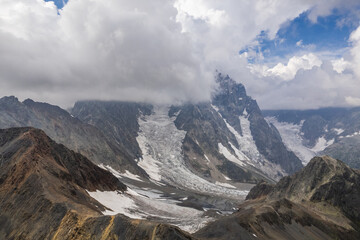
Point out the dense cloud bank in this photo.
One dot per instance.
(164, 52)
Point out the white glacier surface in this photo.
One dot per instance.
(148, 204)
(321, 144)
(291, 136)
(161, 144)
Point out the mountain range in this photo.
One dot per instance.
(331, 131)
(211, 170)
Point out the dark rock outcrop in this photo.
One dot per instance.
(260, 190)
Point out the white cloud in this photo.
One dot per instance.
(140, 50)
(287, 72)
(199, 10)
(340, 64)
(355, 51)
(98, 49)
(353, 101)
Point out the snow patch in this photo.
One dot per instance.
(228, 155)
(351, 135)
(207, 159)
(226, 178)
(245, 113)
(338, 130)
(131, 176)
(117, 202)
(247, 151)
(118, 174)
(321, 144)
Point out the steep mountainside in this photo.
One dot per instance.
(223, 141)
(332, 131)
(322, 201)
(235, 106)
(65, 129)
(118, 122)
(44, 194)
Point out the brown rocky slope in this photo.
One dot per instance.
(322, 201)
(43, 194)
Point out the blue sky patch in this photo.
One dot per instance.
(330, 33)
(59, 3)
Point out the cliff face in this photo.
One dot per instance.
(319, 202)
(43, 193)
(235, 105)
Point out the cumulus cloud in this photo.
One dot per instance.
(102, 50)
(340, 64)
(354, 101)
(155, 51)
(332, 83)
(288, 71)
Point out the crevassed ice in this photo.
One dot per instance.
(291, 136)
(161, 144)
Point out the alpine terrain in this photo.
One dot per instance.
(331, 131)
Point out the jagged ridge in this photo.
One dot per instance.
(319, 202)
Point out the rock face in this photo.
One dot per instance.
(233, 103)
(43, 194)
(225, 140)
(118, 122)
(63, 128)
(319, 202)
(331, 131)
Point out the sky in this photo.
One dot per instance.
(289, 54)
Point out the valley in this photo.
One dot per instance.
(190, 166)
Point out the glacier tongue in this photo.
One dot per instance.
(161, 144)
(291, 136)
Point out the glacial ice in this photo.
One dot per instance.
(161, 144)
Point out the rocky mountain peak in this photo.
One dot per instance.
(230, 93)
(322, 201)
(9, 99)
(320, 171)
(229, 86)
(10, 102)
